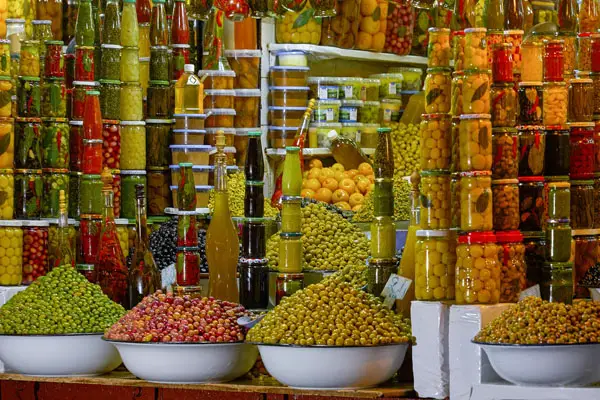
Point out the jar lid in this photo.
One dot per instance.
(436, 70)
(159, 48)
(214, 72)
(109, 82)
(505, 181)
(382, 262)
(92, 141)
(471, 174)
(91, 176)
(581, 80)
(376, 82)
(92, 92)
(509, 236)
(565, 185)
(388, 75)
(246, 53)
(29, 78)
(477, 237)
(459, 33)
(320, 79)
(144, 59)
(189, 116)
(284, 109)
(187, 46)
(328, 102)
(353, 103)
(333, 125)
(557, 265)
(196, 168)
(192, 131)
(10, 222)
(226, 131)
(370, 103)
(433, 233)
(133, 172)
(473, 71)
(28, 171)
(289, 88)
(85, 267)
(190, 147)
(199, 188)
(29, 120)
(33, 222)
(555, 83)
(514, 32)
(530, 127)
(581, 124)
(525, 84)
(220, 111)
(434, 116)
(531, 179)
(504, 130)
(290, 68)
(439, 30)
(288, 128)
(284, 52)
(582, 182)
(41, 22)
(159, 121)
(15, 21)
(247, 92)
(55, 119)
(249, 131)
(556, 178)
(133, 123)
(219, 92)
(111, 46)
(585, 232)
(475, 116)
(475, 30)
(55, 170)
(86, 83)
(76, 123)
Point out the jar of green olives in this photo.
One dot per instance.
(435, 260)
(478, 270)
(559, 200)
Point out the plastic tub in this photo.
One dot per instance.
(201, 195)
(195, 154)
(350, 109)
(317, 134)
(391, 110)
(189, 136)
(246, 65)
(286, 116)
(281, 137)
(413, 77)
(391, 85)
(217, 79)
(352, 130)
(289, 76)
(219, 117)
(199, 172)
(217, 98)
(292, 58)
(288, 96)
(211, 136)
(327, 111)
(247, 108)
(189, 121)
(321, 88)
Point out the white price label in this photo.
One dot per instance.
(323, 92)
(395, 289)
(533, 291)
(595, 293)
(330, 115)
(348, 92)
(392, 88)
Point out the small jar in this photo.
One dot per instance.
(582, 150)
(35, 250)
(90, 231)
(532, 142)
(584, 52)
(511, 255)
(531, 203)
(438, 48)
(28, 134)
(54, 98)
(458, 49)
(55, 143)
(54, 181)
(435, 146)
(502, 65)
(75, 145)
(556, 282)
(133, 145)
(29, 189)
(559, 200)
(131, 102)
(159, 100)
(587, 249)
(159, 192)
(7, 139)
(503, 105)
(29, 97)
(506, 204)
(456, 100)
(476, 48)
(91, 162)
(475, 140)
(581, 100)
(130, 178)
(79, 94)
(435, 260)
(505, 149)
(554, 60)
(435, 200)
(390, 110)
(437, 90)
(29, 59)
(75, 179)
(557, 149)
(530, 103)
(555, 104)
(84, 63)
(130, 64)
(110, 67)
(54, 66)
(532, 55)
(110, 99)
(12, 244)
(160, 62)
(476, 92)
(478, 270)
(476, 201)
(7, 194)
(558, 240)
(111, 144)
(6, 91)
(582, 204)
(181, 56)
(158, 138)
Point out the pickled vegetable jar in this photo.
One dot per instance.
(583, 150)
(503, 105)
(556, 282)
(438, 48)
(559, 200)
(506, 204)
(558, 239)
(245, 64)
(55, 143)
(159, 100)
(129, 25)
(35, 250)
(533, 61)
(476, 48)
(531, 203)
(6, 90)
(435, 200)
(131, 102)
(502, 65)
(587, 249)
(301, 27)
(342, 29)
(92, 156)
(29, 189)
(180, 57)
(581, 100)
(247, 105)
(110, 99)
(130, 178)
(133, 145)
(478, 270)
(475, 141)
(110, 68)
(435, 146)
(116, 175)
(437, 90)
(54, 98)
(29, 60)
(7, 143)
(76, 144)
(569, 51)
(5, 62)
(159, 192)
(511, 255)
(91, 229)
(582, 204)
(158, 138)
(90, 195)
(423, 16)
(111, 144)
(458, 49)
(75, 179)
(130, 64)
(372, 35)
(12, 245)
(435, 265)
(505, 147)
(160, 62)
(28, 134)
(476, 92)
(84, 63)
(51, 10)
(530, 103)
(78, 97)
(456, 102)
(54, 180)
(7, 190)
(28, 97)
(476, 201)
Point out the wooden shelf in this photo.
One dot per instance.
(310, 152)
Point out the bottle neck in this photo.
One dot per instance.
(415, 209)
(108, 214)
(141, 226)
(220, 172)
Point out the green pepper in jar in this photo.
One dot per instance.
(55, 143)
(55, 180)
(54, 98)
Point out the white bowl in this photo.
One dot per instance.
(187, 363)
(545, 364)
(331, 367)
(58, 355)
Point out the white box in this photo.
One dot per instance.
(6, 292)
(468, 363)
(430, 320)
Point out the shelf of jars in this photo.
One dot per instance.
(312, 152)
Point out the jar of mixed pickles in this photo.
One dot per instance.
(505, 204)
(511, 255)
(532, 142)
(503, 105)
(110, 99)
(131, 102)
(476, 201)
(75, 145)
(437, 90)
(160, 63)
(110, 68)
(475, 142)
(133, 144)
(54, 181)
(556, 282)
(90, 196)
(531, 203)
(555, 104)
(530, 103)
(476, 48)
(559, 200)
(581, 100)
(583, 150)
(130, 178)
(532, 55)
(84, 63)
(435, 200)
(557, 149)
(505, 148)
(11, 235)
(558, 240)
(29, 97)
(28, 132)
(55, 143)
(435, 146)
(159, 192)
(476, 91)
(28, 190)
(582, 204)
(478, 270)
(35, 250)
(435, 260)
(54, 98)
(587, 249)
(54, 66)
(159, 100)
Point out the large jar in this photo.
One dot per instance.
(54, 180)
(130, 178)
(29, 97)
(159, 192)
(557, 149)
(158, 138)
(531, 203)
(7, 194)
(342, 29)
(476, 201)
(11, 244)
(581, 100)
(476, 48)
(435, 200)
(559, 200)
(437, 90)
(558, 240)
(29, 189)
(54, 98)
(400, 23)
(476, 92)
(475, 141)
(423, 16)
(133, 144)
(511, 255)
(505, 194)
(584, 51)
(556, 283)
(478, 271)
(35, 250)
(110, 99)
(582, 204)
(28, 132)
(583, 150)
(110, 67)
(587, 249)
(589, 16)
(435, 260)
(555, 104)
(438, 48)
(503, 105)
(530, 103)
(435, 143)
(90, 195)
(532, 142)
(7, 141)
(532, 55)
(505, 149)
(55, 143)
(301, 27)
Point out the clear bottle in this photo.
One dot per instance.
(130, 34)
(222, 243)
(63, 254)
(158, 25)
(144, 277)
(189, 92)
(84, 26)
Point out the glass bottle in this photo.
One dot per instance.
(92, 118)
(111, 29)
(189, 92)
(110, 263)
(567, 15)
(514, 13)
(214, 49)
(63, 252)
(494, 11)
(144, 277)
(222, 243)
(144, 11)
(345, 151)
(130, 34)
(254, 167)
(84, 26)
(180, 30)
(384, 155)
(158, 25)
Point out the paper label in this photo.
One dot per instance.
(330, 114)
(533, 291)
(348, 92)
(395, 289)
(328, 92)
(595, 293)
(348, 114)
(392, 88)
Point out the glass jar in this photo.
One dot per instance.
(130, 64)
(133, 145)
(557, 149)
(532, 54)
(435, 200)
(84, 63)
(399, 31)
(456, 102)
(92, 156)
(6, 91)
(475, 141)
(555, 104)
(437, 90)
(110, 67)
(458, 49)
(79, 94)
(502, 65)
(75, 179)
(587, 249)
(438, 48)
(130, 178)
(530, 103)
(559, 201)
(54, 181)
(505, 147)
(583, 150)
(553, 60)
(28, 132)
(476, 92)
(597, 201)
(91, 229)
(54, 98)
(158, 138)
(595, 76)
(159, 192)
(532, 142)
(90, 196)
(581, 100)
(511, 255)
(54, 61)
(28, 97)
(12, 244)
(558, 239)
(111, 145)
(15, 32)
(7, 143)
(5, 62)
(145, 77)
(505, 204)
(123, 234)
(180, 57)
(435, 146)
(476, 201)
(476, 48)
(535, 256)
(29, 59)
(7, 194)
(589, 16)
(160, 61)
(29, 189)
(584, 51)
(35, 250)
(582, 204)
(116, 175)
(159, 100)
(569, 51)
(478, 270)
(295, 27)
(55, 143)
(423, 16)
(75, 145)
(435, 259)
(556, 282)
(531, 203)
(131, 102)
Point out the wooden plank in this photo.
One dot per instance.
(183, 394)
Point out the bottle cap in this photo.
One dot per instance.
(189, 68)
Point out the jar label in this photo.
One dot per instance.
(391, 115)
(347, 92)
(324, 115)
(392, 88)
(348, 114)
(395, 289)
(326, 93)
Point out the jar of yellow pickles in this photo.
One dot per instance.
(478, 270)
(123, 234)
(11, 245)
(130, 64)
(299, 27)
(475, 142)
(291, 214)
(475, 201)
(435, 200)
(435, 141)
(476, 91)
(7, 191)
(131, 102)
(435, 259)
(437, 90)
(133, 145)
(7, 143)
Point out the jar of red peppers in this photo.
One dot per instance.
(582, 150)
(111, 144)
(181, 56)
(35, 250)
(54, 64)
(554, 60)
(187, 265)
(400, 23)
(79, 96)
(84, 63)
(116, 175)
(502, 64)
(75, 145)
(90, 228)
(581, 100)
(92, 156)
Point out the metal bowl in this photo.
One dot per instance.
(545, 364)
(58, 355)
(187, 363)
(332, 367)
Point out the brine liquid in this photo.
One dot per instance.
(189, 93)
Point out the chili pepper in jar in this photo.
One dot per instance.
(502, 65)
(554, 60)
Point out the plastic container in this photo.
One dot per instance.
(317, 133)
(220, 117)
(211, 136)
(369, 112)
(217, 98)
(321, 88)
(246, 65)
(475, 285)
(247, 108)
(349, 110)
(196, 154)
(189, 121)
(390, 85)
(435, 263)
(288, 76)
(189, 136)
(292, 58)
(288, 96)
(352, 130)
(390, 110)
(286, 116)
(282, 137)
(369, 136)
(326, 111)
(218, 79)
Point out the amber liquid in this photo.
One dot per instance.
(245, 34)
(346, 152)
(189, 94)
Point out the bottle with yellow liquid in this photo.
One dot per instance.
(189, 92)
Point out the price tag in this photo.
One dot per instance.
(595, 293)
(330, 115)
(347, 92)
(533, 291)
(395, 289)
(392, 88)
